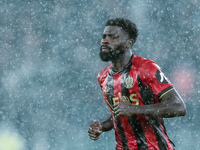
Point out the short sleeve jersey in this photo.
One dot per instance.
(142, 82)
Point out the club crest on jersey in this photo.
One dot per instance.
(106, 90)
(129, 82)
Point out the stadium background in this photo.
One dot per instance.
(49, 49)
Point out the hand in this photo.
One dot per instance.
(95, 130)
(123, 108)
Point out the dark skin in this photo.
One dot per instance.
(113, 37)
(171, 104)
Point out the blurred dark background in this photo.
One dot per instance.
(49, 49)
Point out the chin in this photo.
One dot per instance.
(104, 58)
(111, 56)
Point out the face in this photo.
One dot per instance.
(113, 43)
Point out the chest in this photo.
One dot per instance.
(130, 85)
(125, 83)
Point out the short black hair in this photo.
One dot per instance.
(126, 25)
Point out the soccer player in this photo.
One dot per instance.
(136, 91)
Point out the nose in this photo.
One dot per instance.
(104, 41)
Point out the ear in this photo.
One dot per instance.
(130, 43)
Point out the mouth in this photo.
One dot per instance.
(105, 48)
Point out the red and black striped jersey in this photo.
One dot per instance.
(142, 82)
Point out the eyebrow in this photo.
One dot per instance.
(110, 34)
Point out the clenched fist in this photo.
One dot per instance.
(95, 130)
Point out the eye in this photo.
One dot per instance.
(103, 36)
(114, 36)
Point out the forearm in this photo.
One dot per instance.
(107, 125)
(171, 105)
(159, 110)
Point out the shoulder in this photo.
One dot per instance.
(147, 69)
(103, 74)
(143, 64)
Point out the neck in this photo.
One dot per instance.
(119, 64)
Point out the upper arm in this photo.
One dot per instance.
(162, 87)
(173, 100)
(154, 78)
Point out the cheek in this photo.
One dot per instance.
(125, 44)
(116, 44)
